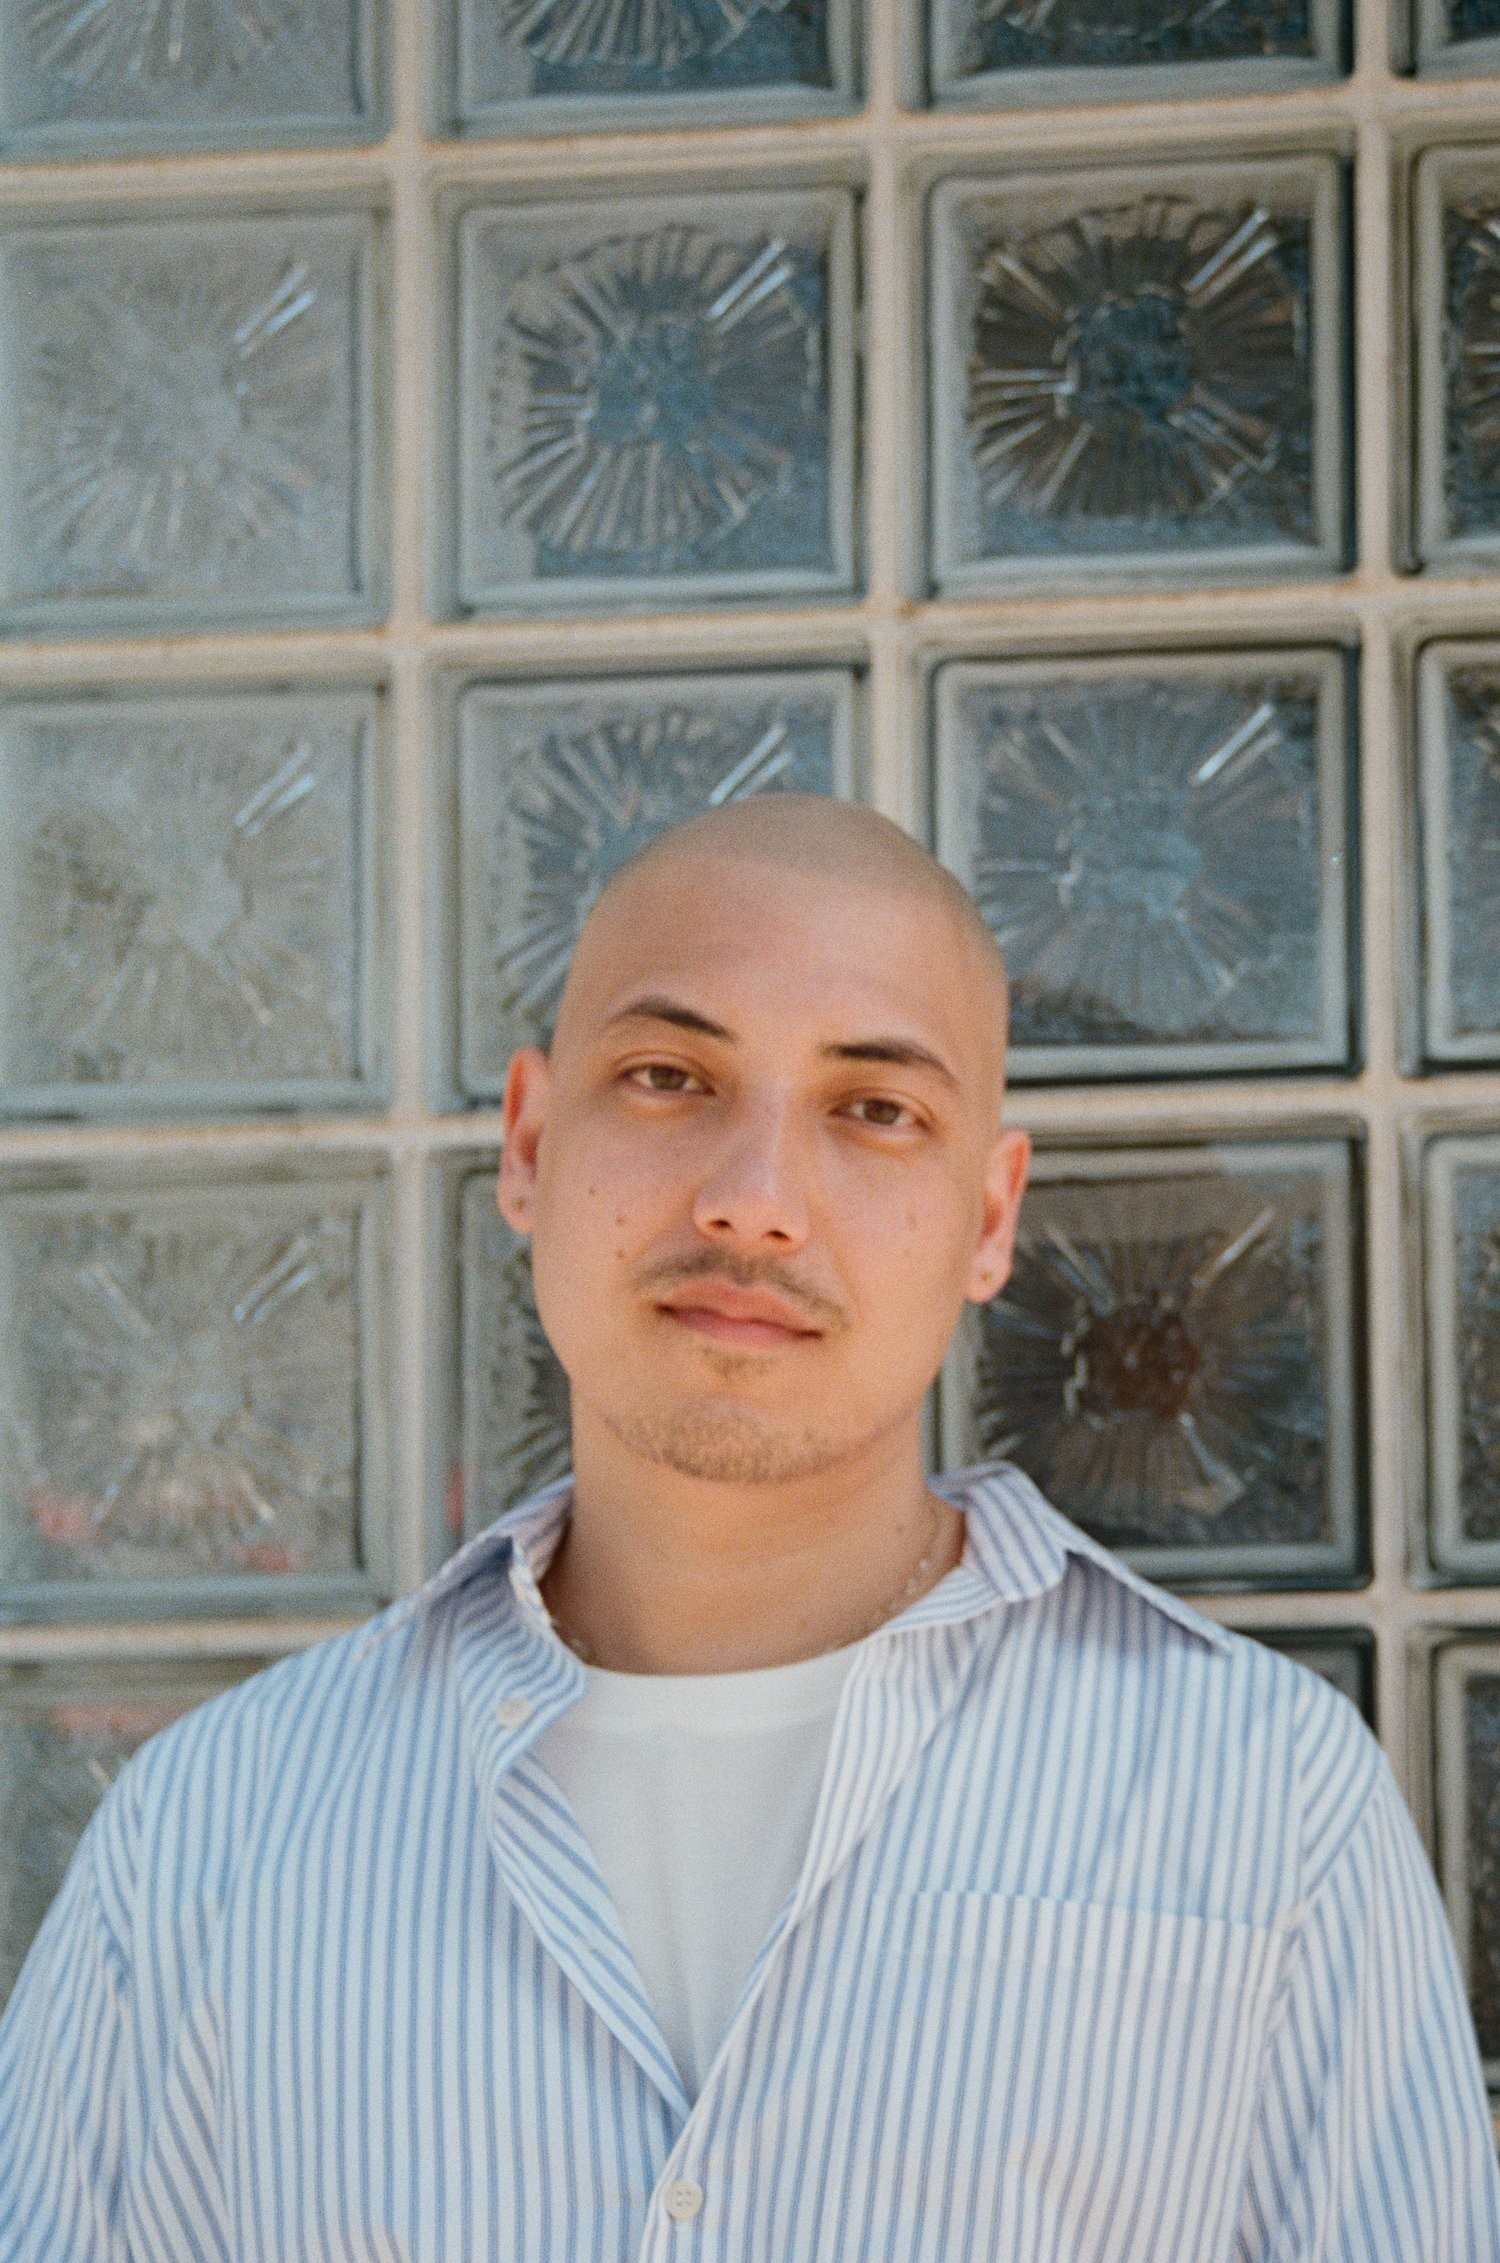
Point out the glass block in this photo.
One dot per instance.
(512, 1396)
(191, 1389)
(65, 1734)
(1138, 374)
(187, 422)
(186, 902)
(1468, 1816)
(1016, 52)
(1456, 303)
(1172, 1360)
(1462, 1226)
(1457, 38)
(1160, 848)
(1344, 1656)
(559, 783)
(551, 66)
(139, 74)
(1458, 743)
(655, 400)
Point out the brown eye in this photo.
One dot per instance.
(664, 1076)
(885, 1114)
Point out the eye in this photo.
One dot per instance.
(885, 1115)
(663, 1076)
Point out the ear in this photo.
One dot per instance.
(1004, 1185)
(524, 1109)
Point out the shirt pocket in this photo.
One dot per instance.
(1059, 2081)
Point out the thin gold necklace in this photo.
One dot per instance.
(891, 1610)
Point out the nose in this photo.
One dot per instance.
(753, 1197)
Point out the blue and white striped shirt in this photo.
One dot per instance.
(1113, 1943)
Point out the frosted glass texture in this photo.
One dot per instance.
(1171, 1360)
(654, 400)
(1463, 1305)
(1457, 38)
(546, 65)
(560, 783)
(186, 904)
(1459, 744)
(1159, 848)
(1468, 1785)
(1137, 372)
(512, 1396)
(1457, 305)
(1017, 51)
(186, 422)
(189, 1407)
(81, 80)
(65, 1734)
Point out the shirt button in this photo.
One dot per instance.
(682, 2201)
(513, 1712)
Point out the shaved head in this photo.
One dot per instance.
(836, 843)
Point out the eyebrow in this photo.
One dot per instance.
(898, 1052)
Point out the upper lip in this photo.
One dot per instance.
(705, 1293)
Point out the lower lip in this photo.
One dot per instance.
(751, 1335)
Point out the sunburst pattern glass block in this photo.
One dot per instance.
(65, 1734)
(511, 1396)
(186, 907)
(190, 1392)
(1172, 1360)
(1462, 1231)
(546, 65)
(654, 400)
(1456, 302)
(1459, 751)
(1024, 51)
(81, 79)
(1137, 373)
(1159, 846)
(1468, 1802)
(187, 422)
(559, 783)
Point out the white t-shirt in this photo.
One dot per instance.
(697, 1794)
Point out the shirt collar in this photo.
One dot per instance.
(1018, 1546)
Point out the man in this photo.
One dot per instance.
(749, 1851)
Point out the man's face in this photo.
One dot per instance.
(762, 1167)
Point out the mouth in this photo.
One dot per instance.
(753, 1319)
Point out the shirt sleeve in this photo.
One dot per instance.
(64, 2048)
(1372, 2141)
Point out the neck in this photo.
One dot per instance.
(658, 1573)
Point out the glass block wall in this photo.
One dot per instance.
(443, 441)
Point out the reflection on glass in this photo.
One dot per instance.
(65, 1734)
(1482, 1855)
(649, 402)
(166, 72)
(1471, 360)
(182, 896)
(1161, 1364)
(1049, 34)
(559, 787)
(513, 1395)
(1150, 855)
(1137, 379)
(186, 418)
(1466, 868)
(633, 48)
(180, 1390)
(1476, 1218)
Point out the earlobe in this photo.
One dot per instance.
(1004, 1185)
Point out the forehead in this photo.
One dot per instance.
(759, 944)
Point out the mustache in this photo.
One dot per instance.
(668, 1273)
